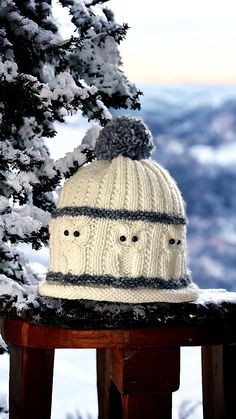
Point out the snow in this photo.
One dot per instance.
(36, 213)
(63, 20)
(17, 225)
(3, 203)
(99, 60)
(8, 69)
(64, 85)
(217, 295)
(27, 131)
(91, 136)
(22, 181)
(69, 135)
(7, 286)
(27, 28)
(4, 383)
(106, 113)
(67, 162)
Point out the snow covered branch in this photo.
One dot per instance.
(43, 77)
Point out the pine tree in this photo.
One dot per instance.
(41, 76)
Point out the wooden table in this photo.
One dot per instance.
(138, 368)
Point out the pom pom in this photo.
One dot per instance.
(126, 136)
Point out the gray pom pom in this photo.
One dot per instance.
(126, 136)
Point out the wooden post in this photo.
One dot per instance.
(151, 407)
(229, 352)
(146, 378)
(218, 381)
(103, 382)
(31, 377)
(212, 382)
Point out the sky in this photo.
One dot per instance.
(177, 41)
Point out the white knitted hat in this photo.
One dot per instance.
(119, 231)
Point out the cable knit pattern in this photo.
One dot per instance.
(106, 174)
(119, 234)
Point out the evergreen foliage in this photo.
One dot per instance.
(43, 77)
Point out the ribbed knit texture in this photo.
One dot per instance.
(123, 183)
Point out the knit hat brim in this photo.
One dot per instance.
(137, 296)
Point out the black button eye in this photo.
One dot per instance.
(122, 238)
(76, 233)
(172, 241)
(134, 239)
(66, 233)
(179, 241)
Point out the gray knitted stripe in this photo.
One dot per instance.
(111, 214)
(108, 280)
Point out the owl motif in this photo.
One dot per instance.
(127, 253)
(73, 237)
(172, 254)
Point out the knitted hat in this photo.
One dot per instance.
(119, 231)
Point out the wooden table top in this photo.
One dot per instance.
(58, 323)
(26, 334)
